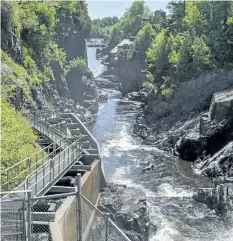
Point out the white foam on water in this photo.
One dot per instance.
(166, 233)
(225, 236)
(125, 142)
(167, 190)
(121, 177)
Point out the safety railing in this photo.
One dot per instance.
(14, 175)
(49, 217)
(40, 180)
(40, 123)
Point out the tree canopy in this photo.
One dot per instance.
(194, 37)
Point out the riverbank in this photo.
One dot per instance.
(168, 187)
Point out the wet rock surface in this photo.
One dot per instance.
(205, 139)
(128, 208)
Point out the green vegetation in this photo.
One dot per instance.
(15, 77)
(130, 23)
(37, 24)
(28, 47)
(194, 37)
(100, 27)
(79, 63)
(17, 138)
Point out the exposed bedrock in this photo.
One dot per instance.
(79, 84)
(189, 99)
(210, 143)
(108, 81)
(215, 129)
(129, 74)
(128, 208)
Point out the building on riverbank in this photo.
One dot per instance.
(126, 43)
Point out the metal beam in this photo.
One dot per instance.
(61, 189)
(82, 167)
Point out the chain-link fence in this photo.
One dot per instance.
(43, 217)
(13, 222)
(97, 226)
(60, 217)
(93, 221)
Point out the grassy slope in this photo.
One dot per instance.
(17, 137)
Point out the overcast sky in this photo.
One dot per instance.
(100, 9)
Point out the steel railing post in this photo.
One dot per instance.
(59, 157)
(36, 182)
(29, 217)
(107, 226)
(7, 180)
(50, 173)
(54, 148)
(64, 158)
(36, 161)
(43, 176)
(79, 208)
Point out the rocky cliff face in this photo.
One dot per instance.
(9, 40)
(79, 85)
(189, 98)
(129, 74)
(178, 124)
(68, 91)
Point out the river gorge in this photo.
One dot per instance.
(168, 187)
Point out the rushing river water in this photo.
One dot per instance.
(168, 188)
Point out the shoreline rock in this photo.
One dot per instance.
(128, 211)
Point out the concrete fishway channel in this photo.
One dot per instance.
(53, 195)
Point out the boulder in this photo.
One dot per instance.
(222, 106)
(137, 96)
(190, 146)
(220, 164)
(128, 208)
(218, 198)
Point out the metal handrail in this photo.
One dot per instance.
(61, 138)
(70, 154)
(26, 164)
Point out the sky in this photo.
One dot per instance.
(109, 8)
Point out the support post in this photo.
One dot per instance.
(76, 149)
(29, 218)
(54, 149)
(36, 182)
(43, 176)
(59, 157)
(79, 208)
(64, 158)
(7, 179)
(107, 226)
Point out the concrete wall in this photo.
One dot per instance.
(91, 182)
(64, 228)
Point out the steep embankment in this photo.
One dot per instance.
(17, 137)
(47, 39)
(44, 65)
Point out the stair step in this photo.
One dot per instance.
(75, 131)
(54, 120)
(73, 125)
